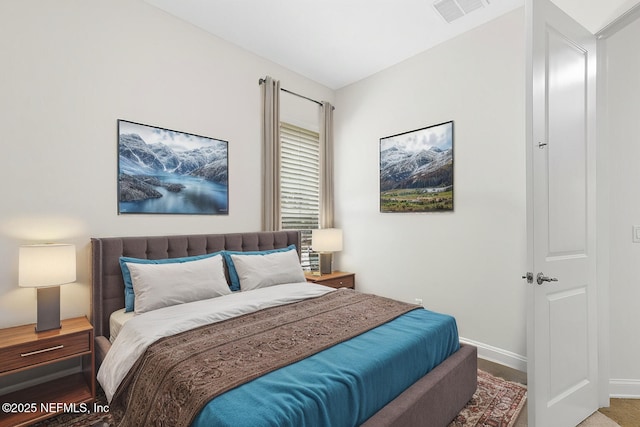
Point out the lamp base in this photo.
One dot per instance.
(326, 261)
(48, 309)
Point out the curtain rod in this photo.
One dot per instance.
(296, 94)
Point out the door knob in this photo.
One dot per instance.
(540, 278)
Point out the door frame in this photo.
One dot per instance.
(603, 204)
(602, 227)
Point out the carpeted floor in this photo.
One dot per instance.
(497, 402)
(598, 419)
(626, 412)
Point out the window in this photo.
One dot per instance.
(300, 185)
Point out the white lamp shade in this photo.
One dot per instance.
(326, 240)
(46, 265)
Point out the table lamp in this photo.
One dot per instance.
(46, 267)
(325, 241)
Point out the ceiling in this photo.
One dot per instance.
(338, 42)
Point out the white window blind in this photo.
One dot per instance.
(300, 185)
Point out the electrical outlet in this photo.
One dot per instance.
(636, 234)
(419, 301)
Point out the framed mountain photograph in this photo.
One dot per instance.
(416, 170)
(162, 171)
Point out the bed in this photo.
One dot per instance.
(433, 399)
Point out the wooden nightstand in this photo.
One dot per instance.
(22, 348)
(337, 279)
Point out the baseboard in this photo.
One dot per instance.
(624, 389)
(498, 355)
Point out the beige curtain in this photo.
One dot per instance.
(270, 154)
(326, 165)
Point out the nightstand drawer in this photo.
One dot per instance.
(46, 350)
(340, 282)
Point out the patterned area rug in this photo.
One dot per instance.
(496, 403)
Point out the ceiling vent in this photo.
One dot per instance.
(451, 10)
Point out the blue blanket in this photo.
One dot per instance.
(343, 385)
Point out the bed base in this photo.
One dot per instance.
(433, 401)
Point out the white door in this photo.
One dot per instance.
(562, 345)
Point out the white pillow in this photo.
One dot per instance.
(161, 285)
(260, 271)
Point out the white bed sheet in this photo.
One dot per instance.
(144, 329)
(117, 319)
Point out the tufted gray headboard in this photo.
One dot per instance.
(107, 284)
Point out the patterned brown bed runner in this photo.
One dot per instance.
(178, 375)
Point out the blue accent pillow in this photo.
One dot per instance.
(129, 295)
(231, 268)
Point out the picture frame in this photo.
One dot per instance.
(163, 171)
(416, 170)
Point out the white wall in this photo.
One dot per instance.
(69, 70)
(468, 262)
(622, 135)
